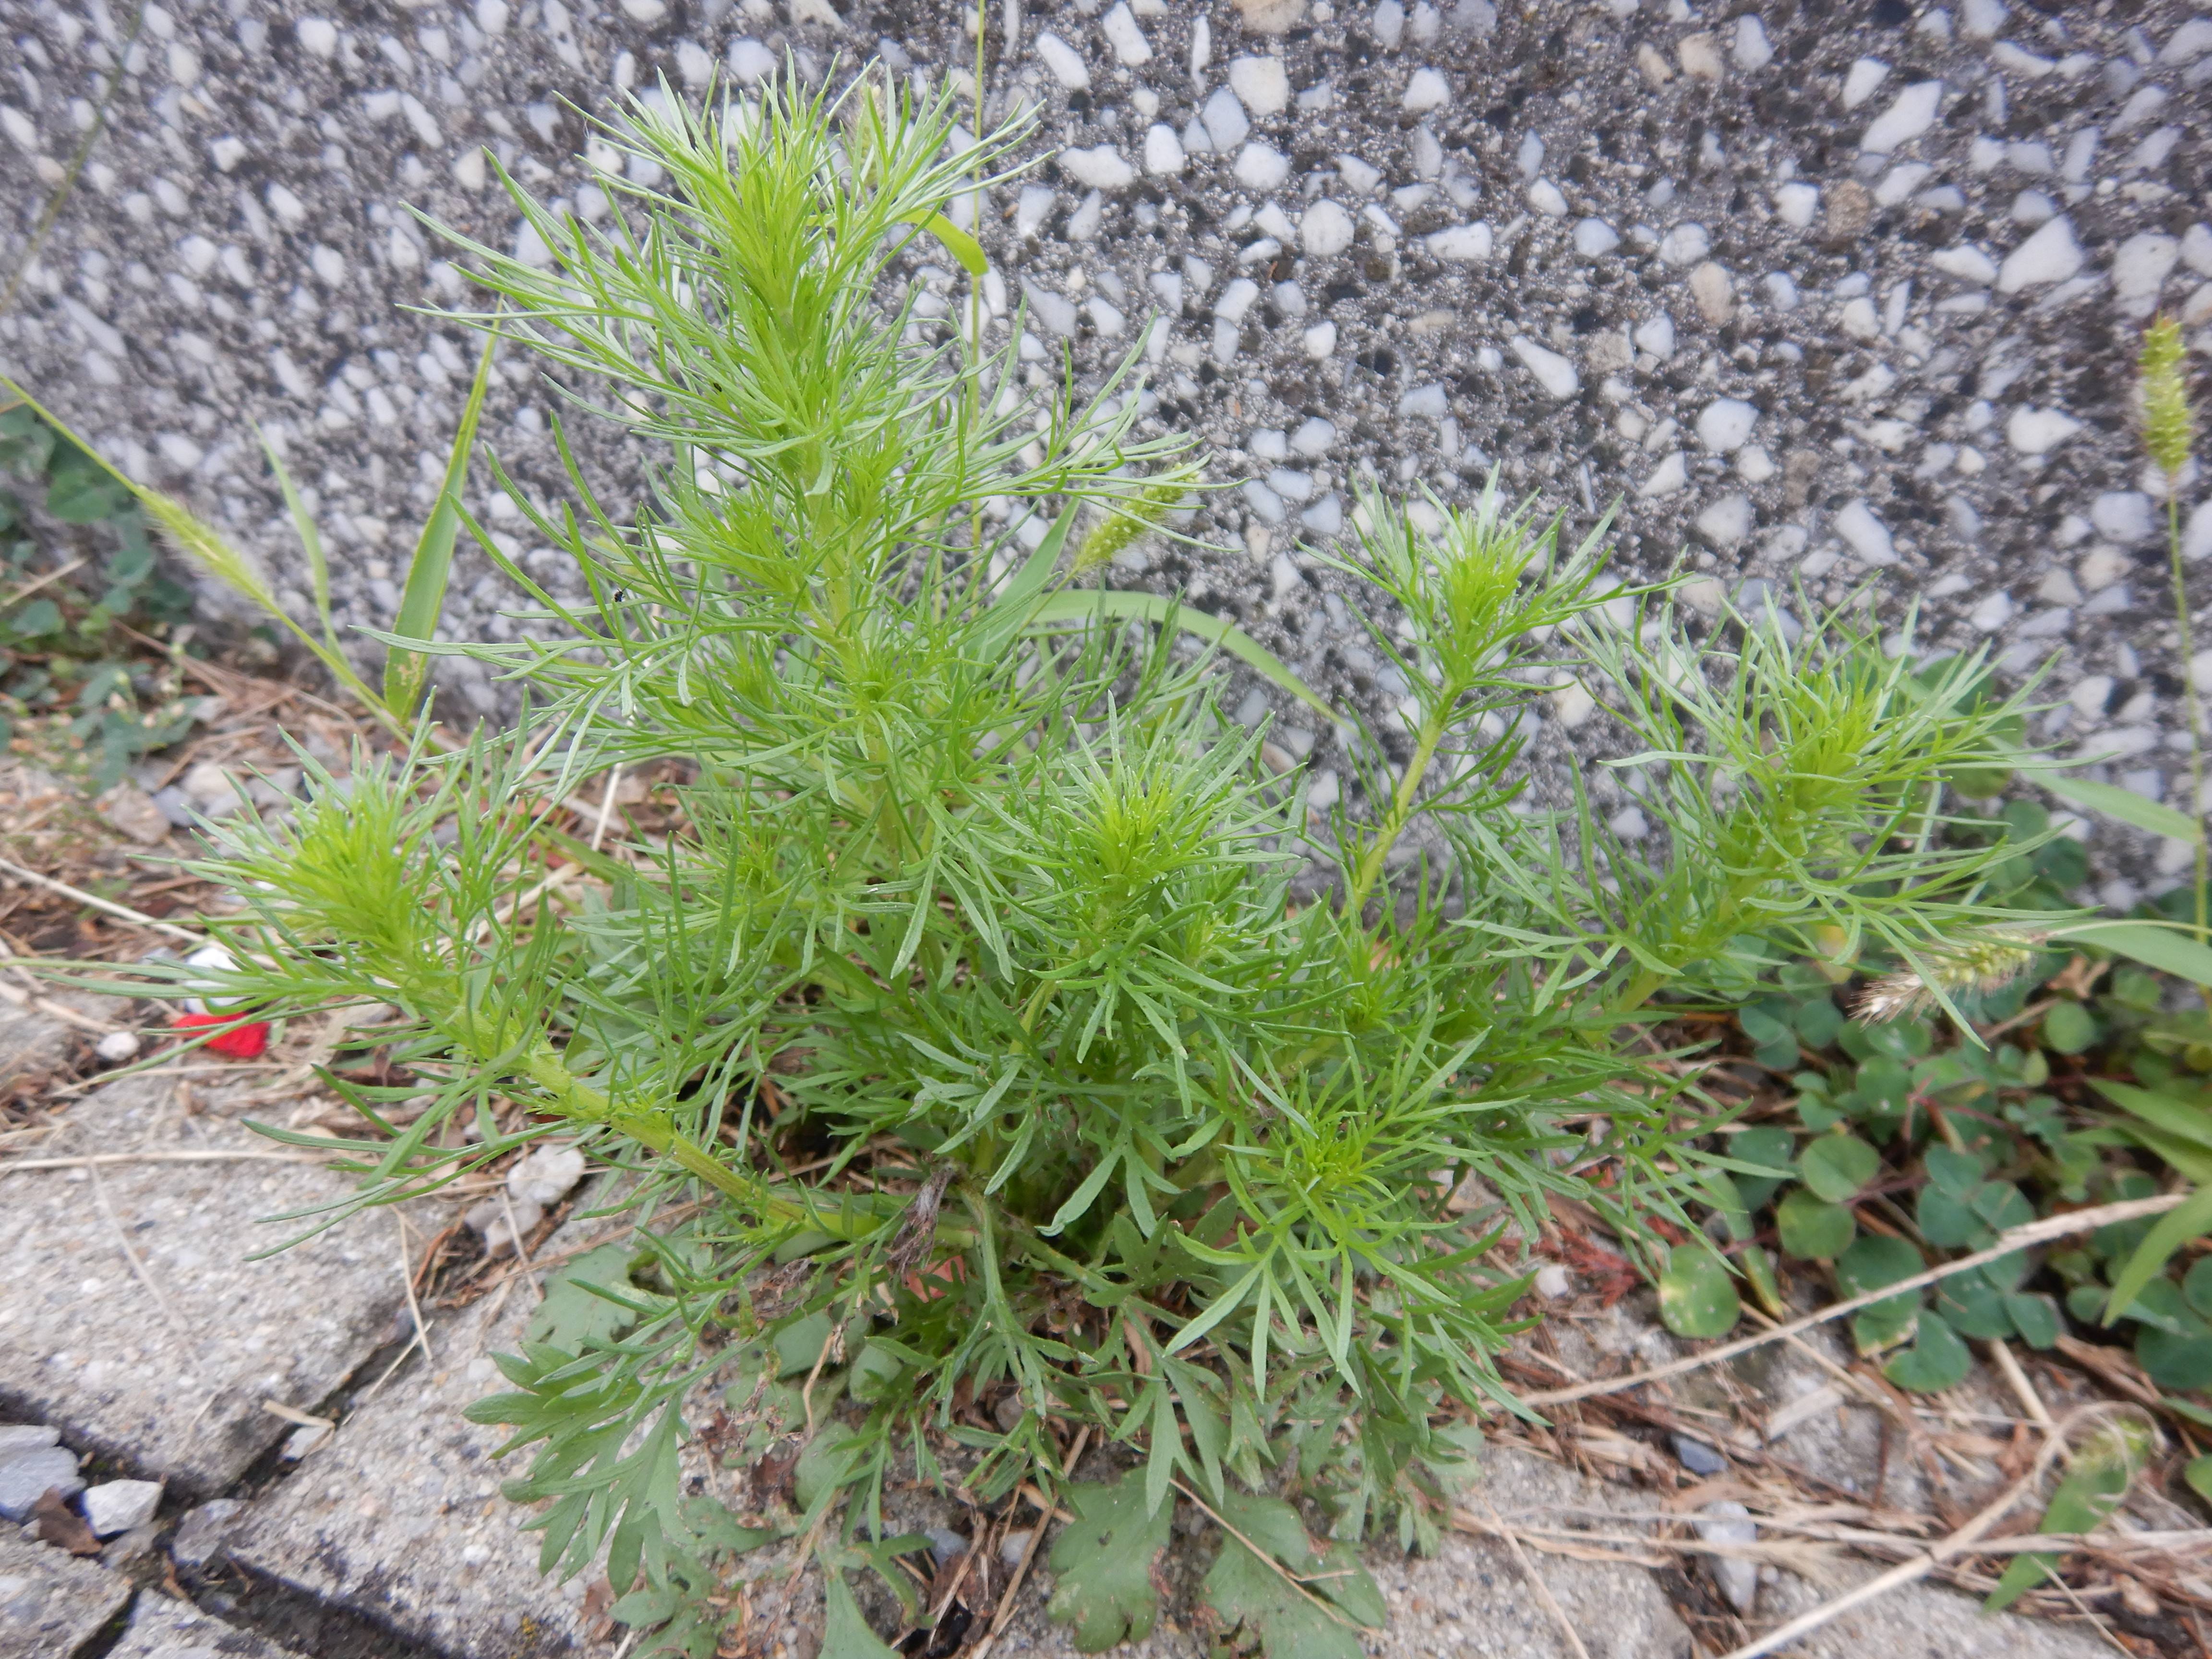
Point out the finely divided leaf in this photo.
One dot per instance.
(1104, 1562)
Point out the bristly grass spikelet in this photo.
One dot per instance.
(2169, 423)
(1980, 962)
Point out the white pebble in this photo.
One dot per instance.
(2197, 538)
(1260, 166)
(1725, 425)
(1461, 242)
(1967, 263)
(1865, 534)
(751, 61)
(1236, 299)
(1325, 230)
(1730, 1522)
(1863, 78)
(115, 1506)
(1552, 372)
(1425, 91)
(1594, 237)
(1265, 501)
(1320, 340)
(1727, 522)
(1984, 18)
(546, 1174)
(1992, 613)
(117, 1047)
(1066, 64)
(317, 35)
(2140, 267)
(1798, 203)
(2038, 431)
(1055, 313)
(1314, 438)
(1262, 85)
(1781, 290)
(1032, 207)
(1164, 152)
(2188, 43)
(2051, 255)
(1226, 123)
(1699, 56)
(1667, 478)
(1100, 168)
(1357, 175)
(2126, 516)
(1123, 34)
(1544, 197)
(1912, 114)
(1753, 50)
(1685, 245)
(1424, 403)
(1388, 24)
(1657, 337)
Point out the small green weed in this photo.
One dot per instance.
(75, 689)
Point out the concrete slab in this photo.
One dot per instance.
(164, 1367)
(162, 1628)
(52, 1604)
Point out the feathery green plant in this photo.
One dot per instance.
(970, 999)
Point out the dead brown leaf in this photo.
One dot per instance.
(59, 1524)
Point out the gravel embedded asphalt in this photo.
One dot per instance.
(1821, 293)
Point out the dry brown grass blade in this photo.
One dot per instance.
(1498, 1529)
(1959, 1542)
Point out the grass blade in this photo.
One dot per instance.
(311, 540)
(1081, 605)
(407, 673)
(2128, 807)
(2164, 945)
(203, 544)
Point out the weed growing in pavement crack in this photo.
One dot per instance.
(981, 1080)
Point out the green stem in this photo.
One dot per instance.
(1401, 811)
(2192, 702)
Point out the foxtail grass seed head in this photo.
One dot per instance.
(2169, 423)
(1984, 963)
(1127, 522)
